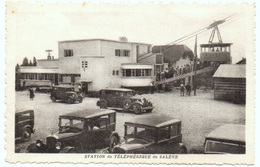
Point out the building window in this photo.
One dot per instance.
(84, 64)
(68, 53)
(122, 53)
(117, 52)
(115, 72)
(136, 72)
(126, 53)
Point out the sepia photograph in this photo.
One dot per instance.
(135, 83)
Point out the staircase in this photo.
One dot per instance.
(204, 70)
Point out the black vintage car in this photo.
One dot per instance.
(123, 99)
(226, 139)
(81, 131)
(65, 93)
(24, 124)
(152, 135)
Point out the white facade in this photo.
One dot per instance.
(98, 61)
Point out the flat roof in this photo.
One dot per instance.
(100, 39)
(88, 113)
(118, 89)
(229, 132)
(216, 45)
(156, 121)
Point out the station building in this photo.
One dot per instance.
(93, 63)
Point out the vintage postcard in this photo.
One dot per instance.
(132, 83)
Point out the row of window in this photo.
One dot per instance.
(118, 52)
(137, 72)
(39, 76)
(122, 53)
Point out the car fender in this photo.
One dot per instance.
(67, 149)
(137, 102)
(182, 146)
(32, 148)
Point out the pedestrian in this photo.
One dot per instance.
(152, 87)
(79, 88)
(31, 93)
(182, 89)
(188, 89)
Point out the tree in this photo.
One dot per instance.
(34, 61)
(30, 63)
(25, 62)
(18, 77)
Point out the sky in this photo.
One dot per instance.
(35, 27)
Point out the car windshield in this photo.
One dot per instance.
(223, 147)
(140, 132)
(72, 123)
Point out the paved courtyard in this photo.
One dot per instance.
(199, 114)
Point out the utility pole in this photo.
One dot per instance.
(49, 53)
(195, 66)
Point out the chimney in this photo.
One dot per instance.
(123, 39)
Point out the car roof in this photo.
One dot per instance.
(156, 121)
(228, 132)
(118, 89)
(63, 86)
(88, 113)
(23, 111)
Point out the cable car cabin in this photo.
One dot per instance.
(216, 52)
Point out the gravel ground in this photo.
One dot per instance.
(199, 114)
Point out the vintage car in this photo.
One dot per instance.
(65, 93)
(226, 139)
(81, 131)
(123, 99)
(24, 124)
(152, 135)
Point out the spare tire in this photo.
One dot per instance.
(127, 103)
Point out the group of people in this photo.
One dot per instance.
(187, 87)
(172, 72)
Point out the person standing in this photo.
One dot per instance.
(31, 93)
(152, 87)
(188, 89)
(182, 89)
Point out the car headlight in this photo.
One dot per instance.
(73, 95)
(38, 143)
(58, 146)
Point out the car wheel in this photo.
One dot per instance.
(80, 99)
(70, 101)
(103, 104)
(78, 147)
(113, 142)
(137, 108)
(26, 135)
(127, 103)
(53, 99)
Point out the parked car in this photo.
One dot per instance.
(81, 131)
(226, 139)
(123, 99)
(24, 124)
(65, 93)
(152, 135)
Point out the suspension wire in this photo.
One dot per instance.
(187, 37)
